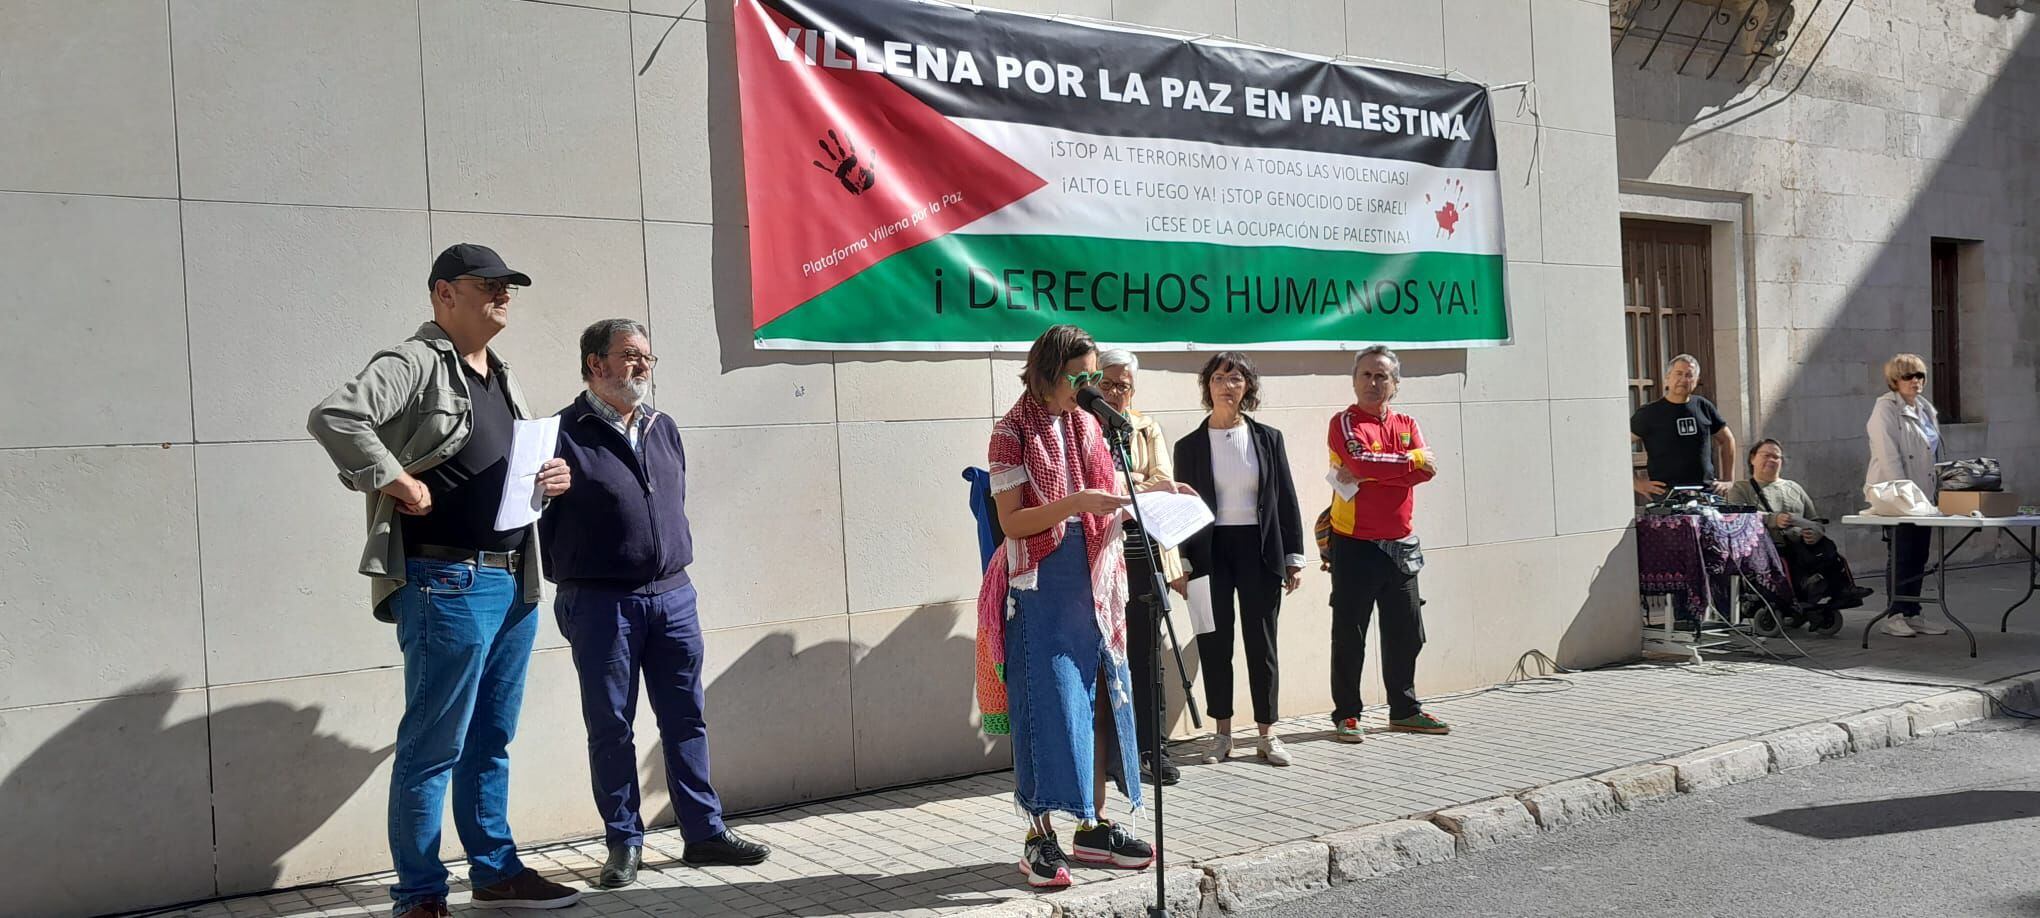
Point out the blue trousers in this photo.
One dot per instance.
(466, 636)
(616, 636)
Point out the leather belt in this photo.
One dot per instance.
(510, 561)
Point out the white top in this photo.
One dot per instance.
(1236, 470)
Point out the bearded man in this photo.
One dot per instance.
(618, 546)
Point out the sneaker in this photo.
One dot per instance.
(1044, 863)
(1108, 844)
(1896, 627)
(1349, 731)
(1269, 748)
(1920, 625)
(433, 909)
(1419, 722)
(526, 890)
(1221, 749)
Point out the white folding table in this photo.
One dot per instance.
(1970, 526)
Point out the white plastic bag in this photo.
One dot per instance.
(1898, 498)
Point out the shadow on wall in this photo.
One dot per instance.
(91, 794)
(1610, 627)
(909, 715)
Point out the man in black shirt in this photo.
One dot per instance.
(1684, 438)
(425, 432)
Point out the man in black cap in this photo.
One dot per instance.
(425, 431)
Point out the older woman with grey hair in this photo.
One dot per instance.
(1905, 439)
(1150, 454)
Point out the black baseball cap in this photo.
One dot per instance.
(473, 260)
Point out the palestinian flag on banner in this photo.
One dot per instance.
(928, 177)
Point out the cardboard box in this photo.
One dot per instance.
(1991, 503)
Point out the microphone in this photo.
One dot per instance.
(1094, 402)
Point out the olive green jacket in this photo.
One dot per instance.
(407, 411)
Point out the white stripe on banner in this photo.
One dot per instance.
(1193, 191)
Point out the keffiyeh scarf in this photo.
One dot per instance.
(1026, 453)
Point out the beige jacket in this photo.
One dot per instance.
(1152, 461)
(407, 411)
(1898, 443)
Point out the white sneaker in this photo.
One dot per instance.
(1221, 749)
(1920, 625)
(1896, 627)
(1269, 748)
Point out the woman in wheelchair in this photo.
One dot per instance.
(1820, 575)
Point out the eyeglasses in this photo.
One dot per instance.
(1909, 377)
(1116, 388)
(1230, 379)
(492, 287)
(1080, 380)
(633, 355)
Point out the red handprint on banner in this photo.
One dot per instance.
(1455, 207)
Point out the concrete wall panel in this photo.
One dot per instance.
(316, 289)
(336, 120)
(67, 307)
(99, 552)
(101, 119)
(529, 109)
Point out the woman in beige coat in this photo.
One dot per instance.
(1905, 439)
(1150, 453)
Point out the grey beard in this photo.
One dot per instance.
(630, 389)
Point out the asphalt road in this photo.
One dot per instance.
(1948, 826)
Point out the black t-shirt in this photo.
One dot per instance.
(468, 486)
(1678, 440)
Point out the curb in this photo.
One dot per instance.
(1300, 869)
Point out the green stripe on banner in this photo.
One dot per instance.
(1005, 289)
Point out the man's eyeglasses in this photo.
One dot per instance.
(493, 287)
(1080, 380)
(1909, 377)
(633, 355)
(1116, 388)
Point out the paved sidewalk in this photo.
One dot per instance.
(948, 848)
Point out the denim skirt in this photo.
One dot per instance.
(1063, 690)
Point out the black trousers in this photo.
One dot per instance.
(1821, 559)
(1915, 543)
(1237, 571)
(1140, 641)
(1364, 577)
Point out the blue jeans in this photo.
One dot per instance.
(466, 634)
(616, 636)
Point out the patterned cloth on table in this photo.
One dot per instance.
(1690, 556)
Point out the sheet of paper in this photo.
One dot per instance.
(1201, 619)
(532, 443)
(1172, 518)
(1346, 489)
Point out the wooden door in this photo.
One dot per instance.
(1667, 300)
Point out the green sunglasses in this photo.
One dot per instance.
(1080, 380)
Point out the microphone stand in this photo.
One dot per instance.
(1157, 600)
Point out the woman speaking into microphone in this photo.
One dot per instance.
(1051, 649)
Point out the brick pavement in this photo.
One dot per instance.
(946, 848)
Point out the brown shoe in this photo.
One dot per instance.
(426, 910)
(527, 890)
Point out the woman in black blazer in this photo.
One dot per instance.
(1254, 551)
